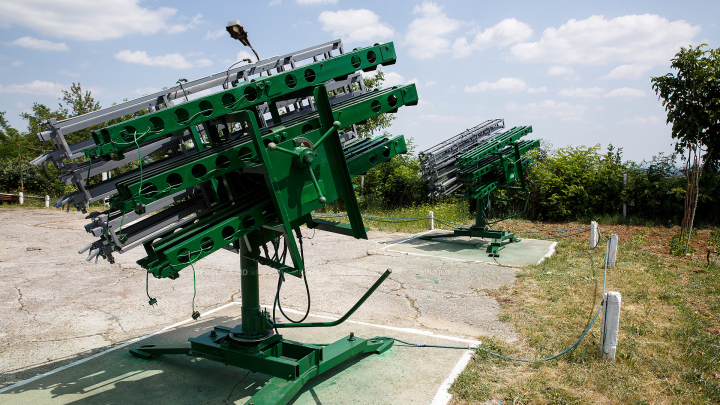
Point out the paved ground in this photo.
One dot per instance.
(527, 252)
(56, 308)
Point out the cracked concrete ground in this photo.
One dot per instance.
(56, 308)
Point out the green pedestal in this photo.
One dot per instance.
(255, 346)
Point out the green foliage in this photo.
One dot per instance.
(577, 182)
(36, 181)
(677, 243)
(692, 97)
(395, 183)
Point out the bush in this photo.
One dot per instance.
(36, 180)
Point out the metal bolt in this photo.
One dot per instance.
(352, 336)
(271, 146)
(213, 333)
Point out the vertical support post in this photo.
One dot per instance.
(479, 218)
(610, 325)
(250, 290)
(593, 234)
(612, 250)
(431, 221)
(624, 187)
(47, 201)
(104, 176)
(22, 198)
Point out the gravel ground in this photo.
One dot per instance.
(56, 308)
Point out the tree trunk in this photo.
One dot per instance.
(696, 186)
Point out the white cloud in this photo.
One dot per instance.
(566, 72)
(300, 23)
(355, 25)
(172, 60)
(600, 108)
(626, 92)
(637, 120)
(393, 79)
(441, 118)
(550, 109)
(173, 29)
(39, 44)
(633, 71)
(533, 90)
(216, 34)
(18, 63)
(90, 20)
(240, 56)
(630, 39)
(427, 36)
(311, 2)
(146, 90)
(504, 85)
(69, 74)
(275, 3)
(37, 87)
(589, 92)
(430, 83)
(504, 33)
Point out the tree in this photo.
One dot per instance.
(692, 101)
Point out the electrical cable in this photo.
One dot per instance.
(582, 336)
(227, 401)
(276, 302)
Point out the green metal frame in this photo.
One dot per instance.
(494, 164)
(254, 346)
(111, 141)
(264, 184)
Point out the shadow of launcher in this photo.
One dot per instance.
(234, 178)
(479, 161)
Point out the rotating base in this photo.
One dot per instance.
(291, 364)
(476, 232)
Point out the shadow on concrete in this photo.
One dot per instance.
(120, 378)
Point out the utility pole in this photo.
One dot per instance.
(22, 189)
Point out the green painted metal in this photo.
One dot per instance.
(111, 141)
(241, 153)
(264, 183)
(253, 345)
(495, 164)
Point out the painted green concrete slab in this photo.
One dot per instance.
(402, 375)
(524, 253)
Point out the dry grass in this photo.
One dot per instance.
(669, 348)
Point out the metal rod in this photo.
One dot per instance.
(346, 316)
(250, 290)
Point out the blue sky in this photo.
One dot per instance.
(578, 72)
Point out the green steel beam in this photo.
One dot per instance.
(111, 141)
(493, 145)
(173, 250)
(241, 153)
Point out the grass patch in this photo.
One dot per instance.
(669, 346)
(396, 220)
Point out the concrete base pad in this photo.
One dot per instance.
(523, 253)
(402, 375)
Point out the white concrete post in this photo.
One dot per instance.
(593, 234)
(47, 201)
(22, 198)
(612, 250)
(104, 176)
(610, 325)
(432, 221)
(624, 186)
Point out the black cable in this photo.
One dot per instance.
(152, 301)
(227, 401)
(276, 302)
